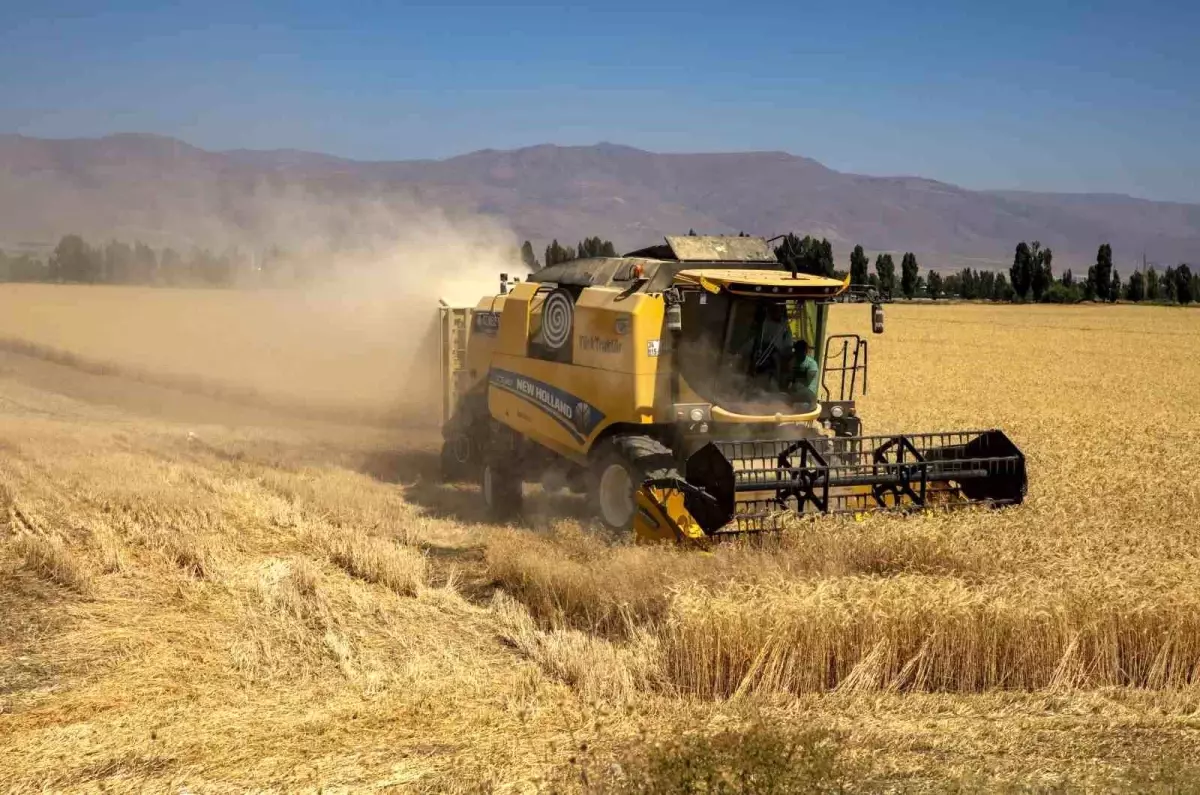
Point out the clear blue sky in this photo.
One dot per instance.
(1087, 96)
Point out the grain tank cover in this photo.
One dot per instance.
(705, 248)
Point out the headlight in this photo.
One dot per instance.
(837, 412)
(695, 415)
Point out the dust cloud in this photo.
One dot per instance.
(386, 288)
(357, 335)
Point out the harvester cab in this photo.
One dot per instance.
(691, 390)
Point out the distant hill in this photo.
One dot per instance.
(163, 190)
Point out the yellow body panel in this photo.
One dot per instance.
(614, 333)
(485, 324)
(565, 406)
(763, 283)
(611, 375)
(513, 336)
(662, 517)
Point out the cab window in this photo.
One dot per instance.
(751, 352)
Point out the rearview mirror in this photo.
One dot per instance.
(674, 317)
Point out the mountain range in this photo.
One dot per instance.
(164, 191)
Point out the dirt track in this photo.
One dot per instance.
(312, 351)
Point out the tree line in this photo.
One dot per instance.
(556, 253)
(809, 255)
(1033, 279)
(1030, 278)
(76, 260)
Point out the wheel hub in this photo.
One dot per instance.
(460, 448)
(489, 486)
(615, 494)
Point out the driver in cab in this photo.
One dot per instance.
(768, 350)
(804, 373)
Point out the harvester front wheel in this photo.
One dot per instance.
(501, 491)
(620, 469)
(459, 454)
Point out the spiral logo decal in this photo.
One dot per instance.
(558, 314)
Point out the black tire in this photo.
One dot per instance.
(460, 456)
(620, 467)
(501, 489)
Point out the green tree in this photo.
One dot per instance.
(1169, 285)
(1136, 290)
(970, 282)
(595, 247)
(528, 258)
(792, 252)
(118, 263)
(1021, 272)
(145, 264)
(826, 257)
(556, 253)
(885, 270)
(1058, 293)
(908, 274)
(858, 266)
(27, 268)
(74, 260)
(806, 255)
(200, 265)
(1002, 290)
(1042, 275)
(171, 265)
(1103, 273)
(952, 285)
(933, 285)
(1068, 279)
(1184, 285)
(985, 283)
(1114, 287)
(1153, 285)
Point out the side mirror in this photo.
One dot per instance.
(674, 317)
(877, 318)
(674, 314)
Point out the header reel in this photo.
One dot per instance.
(753, 486)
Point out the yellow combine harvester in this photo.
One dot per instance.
(690, 389)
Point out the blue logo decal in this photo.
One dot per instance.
(578, 416)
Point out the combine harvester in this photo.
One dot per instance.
(690, 389)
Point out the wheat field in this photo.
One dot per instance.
(211, 595)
